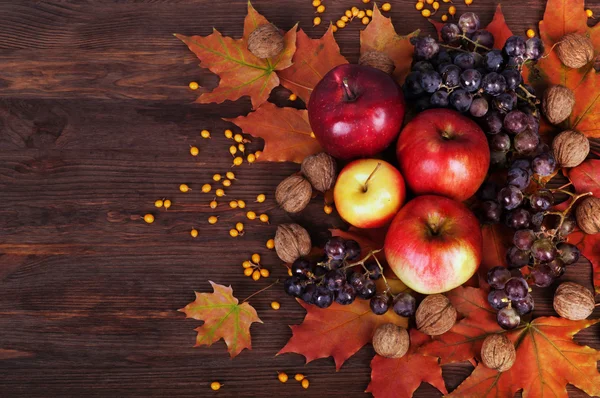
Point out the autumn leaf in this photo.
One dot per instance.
(497, 238)
(312, 60)
(589, 246)
(241, 73)
(381, 36)
(586, 177)
(401, 377)
(224, 318)
(338, 331)
(286, 132)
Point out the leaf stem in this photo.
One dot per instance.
(260, 291)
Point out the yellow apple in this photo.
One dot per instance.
(369, 192)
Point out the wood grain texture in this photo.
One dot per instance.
(95, 124)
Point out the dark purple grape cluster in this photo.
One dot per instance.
(509, 296)
(342, 278)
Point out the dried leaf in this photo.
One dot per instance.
(402, 376)
(338, 331)
(240, 71)
(589, 245)
(224, 318)
(586, 177)
(286, 132)
(312, 60)
(381, 36)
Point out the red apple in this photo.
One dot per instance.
(433, 244)
(356, 111)
(443, 152)
(368, 193)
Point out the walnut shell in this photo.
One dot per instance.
(377, 59)
(575, 50)
(435, 315)
(557, 103)
(570, 148)
(391, 341)
(291, 242)
(498, 352)
(588, 215)
(320, 171)
(293, 193)
(573, 301)
(265, 41)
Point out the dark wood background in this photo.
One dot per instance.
(95, 124)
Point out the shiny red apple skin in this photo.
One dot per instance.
(445, 153)
(434, 244)
(360, 127)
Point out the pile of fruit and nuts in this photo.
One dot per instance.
(475, 138)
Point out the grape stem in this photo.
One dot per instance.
(454, 48)
(564, 213)
(476, 44)
(372, 253)
(260, 291)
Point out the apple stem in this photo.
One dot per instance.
(350, 96)
(370, 176)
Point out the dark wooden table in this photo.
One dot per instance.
(96, 121)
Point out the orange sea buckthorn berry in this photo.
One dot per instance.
(238, 138)
(206, 188)
(213, 219)
(238, 161)
(316, 3)
(257, 154)
(251, 215)
(354, 11)
(334, 28)
(419, 5)
(299, 377)
(239, 226)
(275, 305)
(234, 233)
(248, 271)
(348, 14)
(167, 204)
(184, 188)
(159, 203)
(217, 177)
(241, 204)
(444, 18)
(452, 10)
(365, 20)
(194, 151)
(251, 158)
(213, 204)
(255, 258)
(305, 383)
(366, 1)
(328, 209)
(219, 192)
(293, 97)
(226, 183)
(264, 273)
(426, 13)
(281, 375)
(261, 198)
(429, 1)
(194, 85)
(228, 133)
(316, 21)
(530, 33)
(205, 134)
(321, 9)
(233, 150)
(149, 218)
(194, 233)
(589, 13)
(264, 218)
(247, 264)
(369, 13)
(386, 7)
(215, 386)
(233, 204)
(435, 5)
(230, 175)
(270, 244)
(468, 2)
(256, 275)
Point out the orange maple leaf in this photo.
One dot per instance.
(563, 17)
(240, 71)
(401, 377)
(338, 331)
(286, 132)
(312, 60)
(224, 318)
(381, 36)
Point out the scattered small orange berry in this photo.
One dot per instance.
(316, 21)
(239, 226)
(241, 204)
(234, 233)
(316, 3)
(238, 138)
(386, 7)
(213, 219)
(589, 13)
(348, 14)
(206, 188)
(256, 275)
(213, 204)
(435, 5)
(365, 20)
(167, 204)
(283, 377)
(419, 5)
(226, 183)
(312, 135)
(344, 19)
(275, 305)
(299, 377)
(366, 1)
(530, 33)
(444, 18)
(241, 147)
(293, 97)
(429, 1)
(354, 11)
(264, 273)
(270, 244)
(328, 209)
(219, 192)
(340, 24)
(194, 151)
(248, 271)
(321, 9)
(159, 203)
(251, 158)
(468, 2)
(194, 85)
(194, 233)
(251, 215)
(334, 28)
(369, 13)
(305, 383)
(233, 204)
(361, 14)
(228, 133)
(261, 198)
(257, 154)
(205, 134)
(238, 161)
(255, 258)
(217, 177)
(264, 218)
(426, 13)
(232, 150)
(149, 218)
(215, 386)
(452, 10)
(184, 188)
(230, 175)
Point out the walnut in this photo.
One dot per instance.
(291, 242)
(557, 103)
(265, 41)
(570, 148)
(573, 301)
(435, 315)
(320, 171)
(498, 352)
(293, 193)
(575, 50)
(377, 59)
(391, 341)
(588, 215)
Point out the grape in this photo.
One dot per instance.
(534, 49)
(464, 60)
(497, 277)
(505, 102)
(518, 219)
(491, 211)
(488, 191)
(497, 299)
(567, 226)
(513, 78)
(357, 280)
(542, 276)
(293, 286)
(517, 177)
(508, 318)
(461, 100)
(537, 220)
(524, 238)
(335, 248)
(523, 164)
(479, 108)
(525, 306)
(543, 249)
(425, 47)
(379, 304)
(517, 258)
(510, 197)
(541, 200)
(493, 122)
(498, 158)
(412, 85)
(557, 266)
(516, 288)
(308, 295)
(470, 80)
(368, 290)
(404, 304)
(335, 264)
(483, 37)
(345, 295)
(323, 297)
(515, 46)
(450, 75)
(493, 84)
(301, 267)
(500, 142)
(422, 103)
(320, 271)
(422, 66)
(544, 164)
(334, 279)
(352, 250)
(450, 33)
(526, 141)
(494, 60)
(515, 122)
(439, 99)
(468, 22)
(374, 271)
(514, 62)
(430, 81)
(568, 253)
(442, 58)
